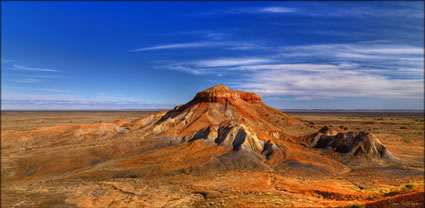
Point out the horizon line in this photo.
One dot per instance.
(161, 109)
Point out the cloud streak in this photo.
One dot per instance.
(376, 56)
(178, 45)
(208, 34)
(55, 90)
(249, 10)
(404, 11)
(277, 10)
(214, 66)
(26, 68)
(229, 45)
(28, 80)
(231, 62)
(331, 82)
(337, 70)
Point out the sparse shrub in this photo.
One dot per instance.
(410, 186)
(402, 127)
(374, 197)
(358, 128)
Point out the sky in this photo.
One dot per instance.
(155, 55)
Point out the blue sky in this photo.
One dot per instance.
(139, 55)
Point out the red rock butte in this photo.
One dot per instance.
(223, 94)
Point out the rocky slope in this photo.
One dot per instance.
(214, 106)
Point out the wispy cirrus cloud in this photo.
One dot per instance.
(229, 45)
(231, 62)
(41, 76)
(187, 69)
(333, 82)
(293, 67)
(55, 90)
(375, 47)
(411, 10)
(393, 50)
(378, 57)
(382, 57)
(248, 10)
(214, 66)
(403, 11)
(27, 80)
(337, 70)
(207, 34)
(27, 68)
(277, 10)
(178, 45)
(215, 35)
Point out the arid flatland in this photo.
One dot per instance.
(401, 132)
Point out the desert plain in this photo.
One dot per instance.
(129, 159)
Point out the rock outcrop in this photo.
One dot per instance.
(348, 145)
(328, 131)
(235, 135)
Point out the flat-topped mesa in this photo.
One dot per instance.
(223, 94)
